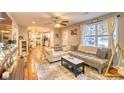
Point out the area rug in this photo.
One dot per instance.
(55, 71)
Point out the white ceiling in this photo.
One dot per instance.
(44, 19)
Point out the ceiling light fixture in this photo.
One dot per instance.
(33, 22)
(57, 25)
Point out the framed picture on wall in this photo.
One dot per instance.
(74, 32)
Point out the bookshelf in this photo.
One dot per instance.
(23, 47)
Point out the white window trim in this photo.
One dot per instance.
(96, 36)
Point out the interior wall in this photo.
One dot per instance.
(65, 37)
(23, 31)
(52, 38)
(121, 29)
(57, 37)
(72, 39)
(15, 30)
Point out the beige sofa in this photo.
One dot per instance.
(97, 58)
(88, 54)
(52, 55)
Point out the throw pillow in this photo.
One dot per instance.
(101, 53)
(109, 53)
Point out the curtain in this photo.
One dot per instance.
(111, 25)
(82, 29)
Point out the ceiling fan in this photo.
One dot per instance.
(58, 22)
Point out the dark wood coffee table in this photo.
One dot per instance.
(73, 64)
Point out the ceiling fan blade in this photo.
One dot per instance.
(65, 21)
(63, 24)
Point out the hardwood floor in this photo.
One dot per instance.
(25, 70)
(18, 71)
(35, 55)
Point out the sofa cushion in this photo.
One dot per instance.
(59, 53)
(101, 53)
(87, 49)
(94, 59)
(89, 58)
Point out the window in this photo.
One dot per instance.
(102, 41)
(89, 38)
(102, 35)
(96, 35)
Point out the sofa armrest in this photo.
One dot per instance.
(48, 52)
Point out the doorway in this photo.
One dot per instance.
(46, 39)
